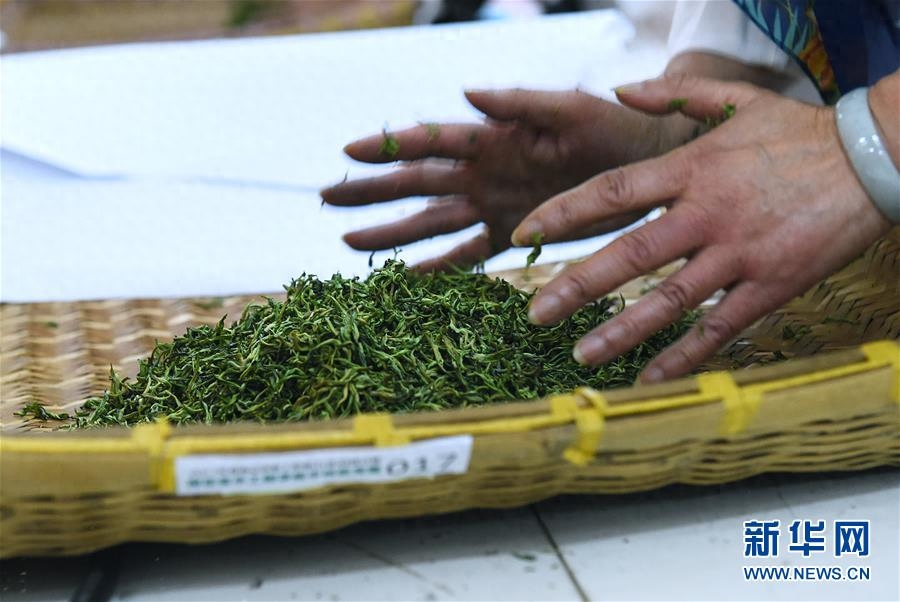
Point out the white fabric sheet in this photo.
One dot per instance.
(193, 168)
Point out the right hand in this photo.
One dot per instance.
(533, 146)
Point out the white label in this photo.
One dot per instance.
(283, 472)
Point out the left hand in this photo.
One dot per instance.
(533, 145)
(764, 206)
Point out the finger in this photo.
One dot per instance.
(448, 215)
(743, 305)
(416, 179)
(464, 256)
(635, 187)
(693, 96)
(709, 271)
(450, 141)
(542, 109)
(649, 247)
(606, 226)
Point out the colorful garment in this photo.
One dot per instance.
(840, 44)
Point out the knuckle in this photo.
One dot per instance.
(566, 213)
(638, 250)
(677, 295)
(717, 329)
(617, 189)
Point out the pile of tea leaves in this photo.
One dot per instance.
(395, 341)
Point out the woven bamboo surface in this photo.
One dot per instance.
(71, 492)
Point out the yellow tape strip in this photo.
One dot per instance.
(152, 439)
(148, 438)
(589, 421)
(740, 408)
(152, 436)
(47, 445)
(887, 352)
(379, 429)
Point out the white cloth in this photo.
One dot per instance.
(721, 27)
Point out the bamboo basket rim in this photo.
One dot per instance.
(586, 409)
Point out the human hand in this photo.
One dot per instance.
(533, 146)
(764, 206)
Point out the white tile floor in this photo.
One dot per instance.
(681, 543)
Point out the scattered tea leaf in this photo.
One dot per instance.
(38, 411)
(536, 240)
(390, 146)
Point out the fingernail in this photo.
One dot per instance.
(589, 350)
(543, 309)
(477, 91)
(652, 375)
(523, 236)
(629, 88)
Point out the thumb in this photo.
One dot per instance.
(538, 108)
(697, 97)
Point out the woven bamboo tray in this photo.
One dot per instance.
(67, 492)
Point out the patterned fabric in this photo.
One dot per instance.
(840, 44)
